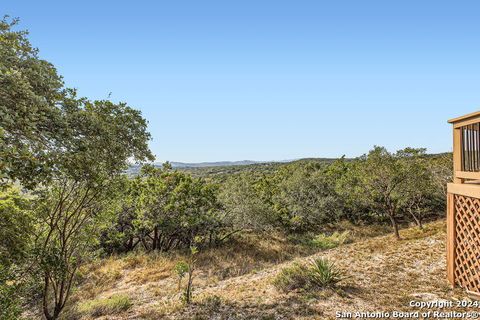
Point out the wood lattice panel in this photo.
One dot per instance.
(467, 242)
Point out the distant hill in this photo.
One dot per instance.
(134, 169)
(206, 168)
(214, 164)
(225, 168)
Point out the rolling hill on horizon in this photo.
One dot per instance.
(218, 166)
(176, 164)
(135, 168)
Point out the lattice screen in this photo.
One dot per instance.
(467, 242)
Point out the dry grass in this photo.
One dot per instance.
(100, 307)
(235, 281)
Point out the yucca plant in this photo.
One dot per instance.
(318, 274)
(324, 274)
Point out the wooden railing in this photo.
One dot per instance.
(470, 147)
(463, 205)
(466, 147)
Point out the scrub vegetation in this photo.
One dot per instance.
(82, 238)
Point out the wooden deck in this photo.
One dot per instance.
(463, 205)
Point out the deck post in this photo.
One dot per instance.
(457, 154)
(451, 239)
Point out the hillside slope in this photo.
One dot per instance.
(383, 275)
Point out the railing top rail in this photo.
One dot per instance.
(466, 119)
(465, 189)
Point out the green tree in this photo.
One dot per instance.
(31, 128)
(9, 294)
(194, 212)
(418, 190)
(442, 171)
(166, 209)
(154, 221)
(15, 227)
(244, 201)
(101, 139)
(119, 234)
(71, 149)
(307, 199)
(375, 181)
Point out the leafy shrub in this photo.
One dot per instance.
(187, 268)
(181, 269)
(9, 300)
(318, 274)
(292, 278)
(162, 210)
(334, 240)
(100, 307)
(306, 199)
(16, 225)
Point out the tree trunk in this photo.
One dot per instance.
(155, 239)
(129, 246)
(417, 220)
(395, 226)
(57, 308)
(188, 293)
(46, 285)
(144, 243)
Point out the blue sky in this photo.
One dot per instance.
(270, 80)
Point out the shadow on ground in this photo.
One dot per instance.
(214, 308)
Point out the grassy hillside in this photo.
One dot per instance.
(235, 282)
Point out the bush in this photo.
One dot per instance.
(318, 274)
(9, 300)
(292, 278)
(336, 239)
(100, 307)
(305, 200)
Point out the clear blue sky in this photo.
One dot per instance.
(270, 80)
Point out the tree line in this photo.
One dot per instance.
(163, 209)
